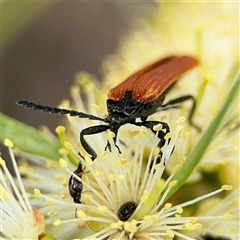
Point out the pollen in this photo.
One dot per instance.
(63, 151)
(2, 162)
(180, 120)
(88, 160)
(157, 166)
(111, 135)
(220, 232)
(113, 177)
(227, 187)
(157, 127)
(104, 154)
(117, 224)
(81, 214)
(167, 206)
(234, 201)
(87, 197)
(75, 91)
(172, 183)
(133, 225)
(81, 225)
(176, 169)
(37, 192)
(57, 222)
(65, 183)
(51, 213)
(121, 163)
(95, 107)
(50, 164)
(197, 226)
(164, 118)
(121, 177)
(63, 163)
(152, 218)
(145, 195)
(68, 145)
(64, 195)
(126, 226)
(179, 128)
(130, 226)
(8, 143)
(99, 173)
(178, 216)
(156, 151)
(50, 200)
(179, 209)
(227, 216)
(102, 209)
(4, 194)
(233, 229)
(192, 219)
(84, 80)
(167, 136)
(64, 103)
(189, 226)
(170, 233)
(60, 130)
(59, 177)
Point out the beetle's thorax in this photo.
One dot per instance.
(127, 109)
(124, 110)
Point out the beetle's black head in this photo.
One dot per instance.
(124, 110)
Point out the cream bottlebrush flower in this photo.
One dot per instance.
(19, 219)
(128, 183)
(206, 30)
(225, 224)
(47, 184)
(123, 196)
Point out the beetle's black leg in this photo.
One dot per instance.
(108, 146)
(160, 134)
(90, 131)
(115, 131)
(182, 99)
(115, 143)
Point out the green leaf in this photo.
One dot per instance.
(28, 139)
(197, 153)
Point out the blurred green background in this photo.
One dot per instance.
(45, 43)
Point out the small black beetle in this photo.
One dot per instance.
(75, 186)
(126, 210)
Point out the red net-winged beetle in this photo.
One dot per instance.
(138, 97)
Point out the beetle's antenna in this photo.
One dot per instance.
(58, 110)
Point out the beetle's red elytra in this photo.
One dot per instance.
(150, 82)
